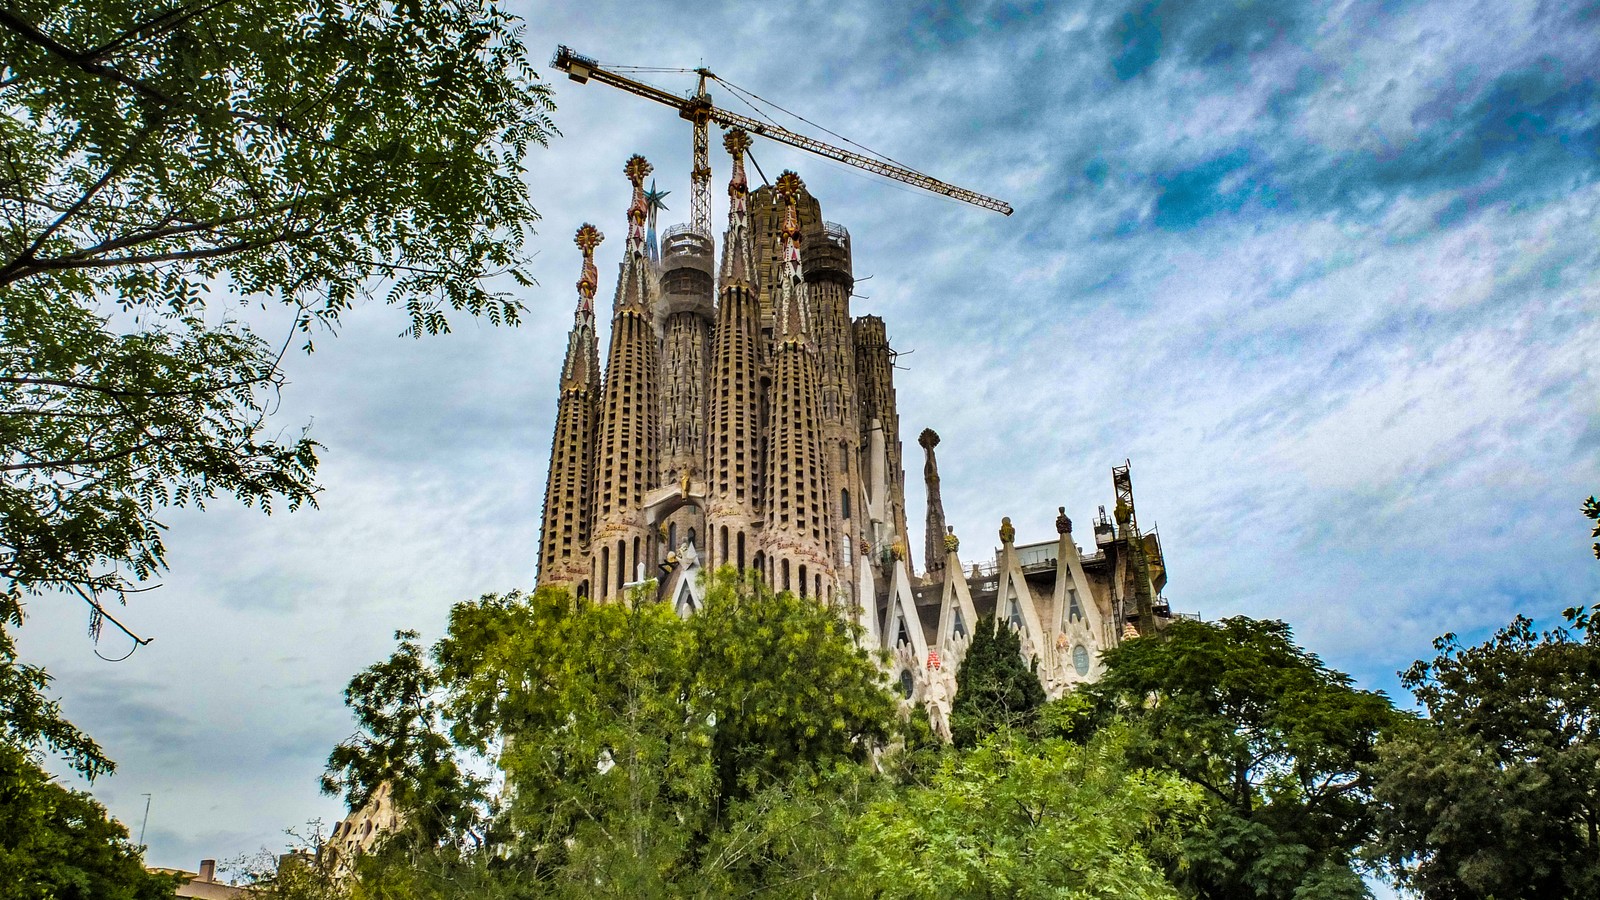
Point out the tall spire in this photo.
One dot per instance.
(625, 462)
(733, 460)
(639, 210)
(933, 540)
(799, 527)
(564, 531)
(791, 314)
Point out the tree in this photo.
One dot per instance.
(31, 722)
(1278, 743)
(402, 742)
(634, 744)
(1013, 818)
(157, 157)
(58, 844)
(995, 689)
(1497, 792)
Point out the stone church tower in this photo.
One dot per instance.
(747, 420)
(729, 430)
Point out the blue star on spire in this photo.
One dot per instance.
(652, 200)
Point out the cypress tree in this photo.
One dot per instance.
(995, 689)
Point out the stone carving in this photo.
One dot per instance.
(1063, 524)
(1008, 533)
(952, 544)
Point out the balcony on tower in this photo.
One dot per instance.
(688, 272)
(826, 253)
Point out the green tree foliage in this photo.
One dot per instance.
(402, 743)
(58, 844)
(995, 689)
(1278, 742)
(31, 722)
(1497, 792)
(1017, 819)
(1591, 510)
(634, 744)
(162, 161)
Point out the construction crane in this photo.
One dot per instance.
(700, 111)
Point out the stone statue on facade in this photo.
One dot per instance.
(1008, 533)
(1063, 524)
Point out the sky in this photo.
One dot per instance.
(1327, 273)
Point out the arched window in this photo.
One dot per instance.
(722, 558)
(845, 549)
(741, 551)
(691, 538)
(783, 568)
(803, 581)
(605, 572)
(844, 502)
(907, 683)
(622, 564)
(672, 537)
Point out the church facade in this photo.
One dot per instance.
(743, 418)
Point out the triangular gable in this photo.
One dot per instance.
(1014, 602)
(686, 587)
(1078, 622)
(867, 595)
(901, 623)
(955, 607)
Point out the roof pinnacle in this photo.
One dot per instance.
(587, 238)
(636, 169)
(736, 142)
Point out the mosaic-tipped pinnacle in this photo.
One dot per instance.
(736, 141)
(636, 169)
(789, 185)
(588, 238)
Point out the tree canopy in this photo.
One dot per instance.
(1497, 792)
(59, 844)
(995, 689)
(1278, 742)
(163, 163)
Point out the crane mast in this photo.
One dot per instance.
(700, 111)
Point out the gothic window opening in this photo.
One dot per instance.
(1074, 611)
(959, 628)
(783, 568)
(741, 551)
(901, 636)
(844, 502)
(672, 537)
(802, 582)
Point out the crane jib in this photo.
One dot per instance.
(699, 110)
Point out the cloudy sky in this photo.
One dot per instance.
(1326, 272)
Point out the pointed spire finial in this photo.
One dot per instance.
(587, 238)
(736, 142)
(636, 169)
(789, 187)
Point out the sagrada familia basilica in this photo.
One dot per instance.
(744, 419)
